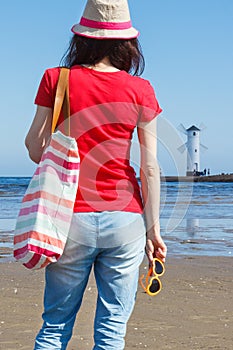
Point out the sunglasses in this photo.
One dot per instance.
(153, 283)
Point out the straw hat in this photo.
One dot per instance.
(106, 19)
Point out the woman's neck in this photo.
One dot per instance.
(102, 66)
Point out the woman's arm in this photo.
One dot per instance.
(150, 182)
(39, 133)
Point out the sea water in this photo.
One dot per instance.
(196, 218)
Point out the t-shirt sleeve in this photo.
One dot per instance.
(47, 89)
(150, 107)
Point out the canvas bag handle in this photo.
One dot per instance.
(62, 100)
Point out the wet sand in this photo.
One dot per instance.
(193, 311)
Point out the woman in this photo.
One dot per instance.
(112, 221)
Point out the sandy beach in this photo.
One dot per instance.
(193, 311)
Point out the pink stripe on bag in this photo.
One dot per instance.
(60, 148)
(39, 237)
(44, 210)
(105, 25)
(73, 153)
(63, 177)
(52, 198)
(37, 256)
(61, 162)
(34, 261)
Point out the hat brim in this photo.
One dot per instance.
(130, 33)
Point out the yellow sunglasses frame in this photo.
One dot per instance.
(149, 278)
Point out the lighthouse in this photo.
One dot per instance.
(193, 147)
(193, 150)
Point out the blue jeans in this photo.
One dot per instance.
(116, 262)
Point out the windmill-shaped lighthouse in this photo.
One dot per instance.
(193, 147)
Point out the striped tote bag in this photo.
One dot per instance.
(46, 210)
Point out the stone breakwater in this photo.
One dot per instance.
(210, 178)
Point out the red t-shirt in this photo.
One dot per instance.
(105, 108)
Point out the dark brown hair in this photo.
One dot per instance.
(124, 54)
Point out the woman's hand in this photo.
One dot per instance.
(155, 246)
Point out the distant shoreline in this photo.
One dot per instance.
(208, 178)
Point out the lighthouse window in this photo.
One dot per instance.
(195, 150)
(194, 133)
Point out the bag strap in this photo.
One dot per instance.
(62, 100)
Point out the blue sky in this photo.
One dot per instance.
(188, 47)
